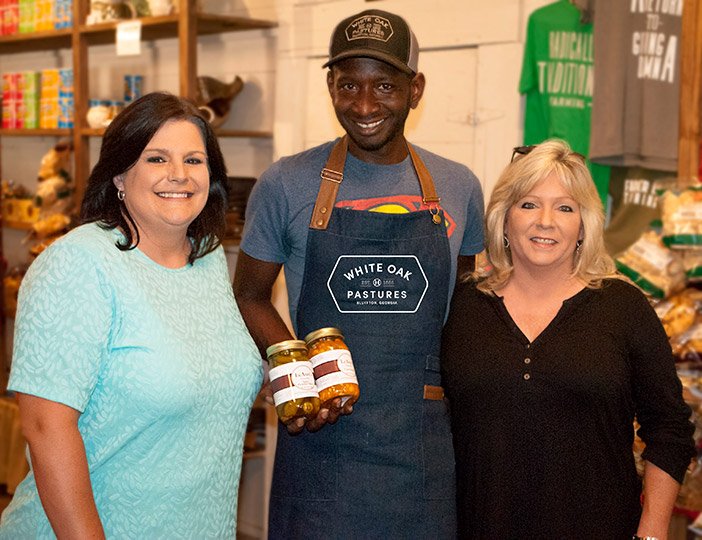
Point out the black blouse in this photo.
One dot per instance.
(543, 431)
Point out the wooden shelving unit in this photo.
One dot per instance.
(186, 26)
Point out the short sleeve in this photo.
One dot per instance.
(528, 79)
(266, 219)
(473, 235)
(62, 327)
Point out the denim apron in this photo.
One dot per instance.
(387, 470)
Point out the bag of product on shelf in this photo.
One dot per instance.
(682, 320)
(692, 262)
(681, 213)
(678, 312)
(654, 268)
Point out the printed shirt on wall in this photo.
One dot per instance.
(637, 90)
(557, 79)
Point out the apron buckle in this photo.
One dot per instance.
(333, 176)
(434, 211)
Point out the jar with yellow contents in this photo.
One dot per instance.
(331, 360)
(292, 381)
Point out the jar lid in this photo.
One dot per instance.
(283, 345)
(323, 332)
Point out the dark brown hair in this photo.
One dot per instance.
(124, 141)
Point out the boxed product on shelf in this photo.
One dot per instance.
(26, 16)
(63, 14)
(10, 17)
(49, 99)
(65, 99)
(10, 84)
(44, 15)
(30, 83)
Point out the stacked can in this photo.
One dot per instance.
(133, 87)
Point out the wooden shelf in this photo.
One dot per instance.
(19, 225)
(99, 132)
(253, 454)
(47, 40)
(61, 132)
(165, 27)
(244, 133)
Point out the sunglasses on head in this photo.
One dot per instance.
(524, 150)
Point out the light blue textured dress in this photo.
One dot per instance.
(162, 368)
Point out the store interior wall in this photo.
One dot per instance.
(470, 53)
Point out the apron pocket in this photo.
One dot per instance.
(439, 462)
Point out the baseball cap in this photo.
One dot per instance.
(375, 34)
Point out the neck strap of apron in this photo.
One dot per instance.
(333, 174)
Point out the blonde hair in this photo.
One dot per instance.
(591, 263)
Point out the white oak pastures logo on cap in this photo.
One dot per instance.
(369, 27)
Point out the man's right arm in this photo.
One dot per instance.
(253, 286)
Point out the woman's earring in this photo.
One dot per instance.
(120, 194)
(578, 245)
(505, 241)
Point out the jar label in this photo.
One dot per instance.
(332, 368)
(294, 380)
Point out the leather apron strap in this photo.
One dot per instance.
(333, 174)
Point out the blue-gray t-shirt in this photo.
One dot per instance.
(280, 206)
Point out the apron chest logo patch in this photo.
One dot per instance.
(377, 284)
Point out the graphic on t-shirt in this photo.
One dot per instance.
(641, 192)
(395, 204)
(656, 50)
(567, 75)
(377, 284)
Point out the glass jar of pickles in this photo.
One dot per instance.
(292, 381)
(331, 360)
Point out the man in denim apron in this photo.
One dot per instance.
(373, 248)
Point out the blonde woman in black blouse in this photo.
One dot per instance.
(547, 359)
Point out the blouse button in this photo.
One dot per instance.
(527, 376)
(527, 360)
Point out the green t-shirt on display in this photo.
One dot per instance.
(557, 80)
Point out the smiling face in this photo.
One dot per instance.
(372, 100)
(543, 228)
(167, 187)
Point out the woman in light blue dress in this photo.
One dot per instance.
(134, 371)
